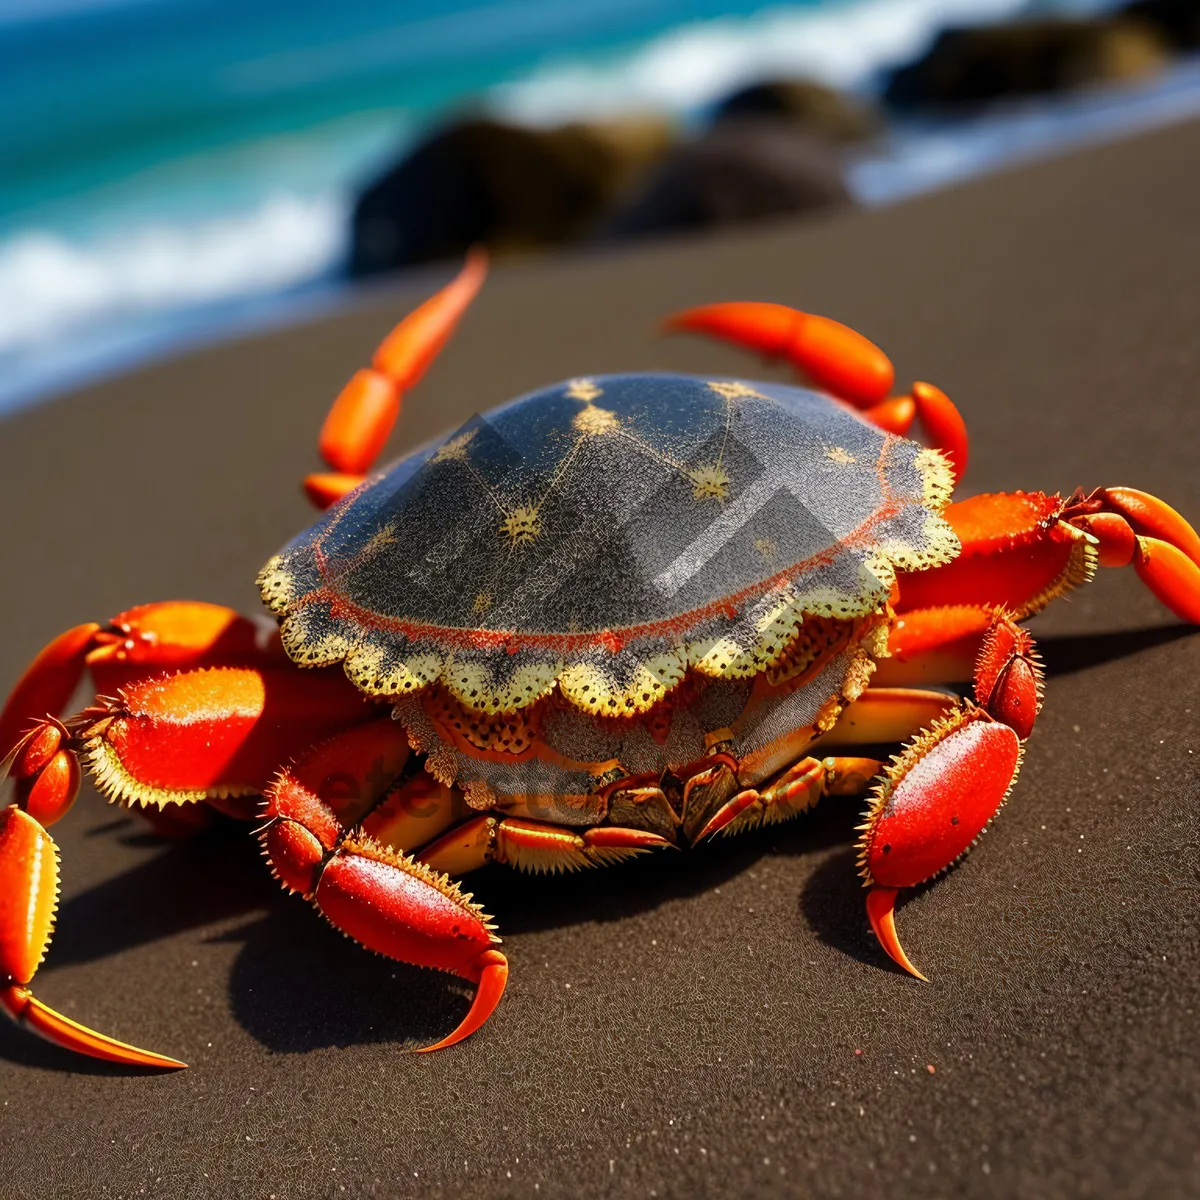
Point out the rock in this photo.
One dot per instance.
(819, 110)
(742, 169)
(511, 188)
(1177, 22)
(978, 65)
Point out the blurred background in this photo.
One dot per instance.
(174, 171)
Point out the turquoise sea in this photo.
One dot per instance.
(172, 170)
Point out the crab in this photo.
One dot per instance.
(619, 615)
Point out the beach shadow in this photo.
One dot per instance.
(216, 875)
(1065, 654)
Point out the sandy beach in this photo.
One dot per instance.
(692, 1025)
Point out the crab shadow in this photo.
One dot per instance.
(297, 984)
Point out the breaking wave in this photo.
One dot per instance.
(50, 283)
(842, 44)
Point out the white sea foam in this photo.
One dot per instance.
(50, 284)
(843, 45)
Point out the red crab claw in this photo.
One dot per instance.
(386, 900)
(28, 900)
(839, 360)
(934, 801)
(45, 768)
(940, 793)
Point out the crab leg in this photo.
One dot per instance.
(28, 900)
(940, 793)
(141, 641)
(213, 734)
(934, 645)
(795, 791)
(535, 846)
(884, 715)
(365, 411)
(387, 900)
(838, 360)
(1020, 550)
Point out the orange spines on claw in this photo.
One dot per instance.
(937, 797)
(28, 894)
(295, 855)
(1008, 676)
(219, 731)
(313, 802)
(1016, 553)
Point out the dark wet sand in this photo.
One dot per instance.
(713, 1024)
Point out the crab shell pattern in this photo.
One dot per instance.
(556, 577)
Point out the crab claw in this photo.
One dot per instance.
(881, 904)
(1171, 575)
(45, 768)
(397, 906)
(492, 968)
(388, 901)
(834, 356)
(1132, 526)
(28, 899)
(933, 802)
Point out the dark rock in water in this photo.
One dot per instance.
(483, 181)
(1177, 22)
(741, 170)
(819, 110)
(977, 65)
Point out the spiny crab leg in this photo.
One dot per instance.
(385, 899)
(29, 899)
(1020, 550)
(365, 411)
(939, 794)
(839, 360)
(141, 641)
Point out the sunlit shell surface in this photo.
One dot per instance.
(608, 535)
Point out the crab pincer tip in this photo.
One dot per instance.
(27, 1010)
(493, 976)
(881, 905)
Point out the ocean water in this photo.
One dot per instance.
(175, 170)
